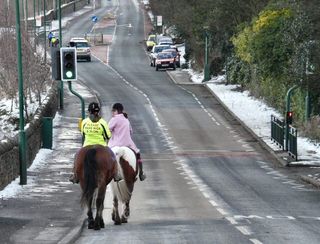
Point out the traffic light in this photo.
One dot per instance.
(55, 63)
(68, 57)
(289, 117)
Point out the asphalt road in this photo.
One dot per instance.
(208, 180)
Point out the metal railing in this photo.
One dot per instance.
(277, 131)
(292, 143)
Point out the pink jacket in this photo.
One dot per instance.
(121, 130)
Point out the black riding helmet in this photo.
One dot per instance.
(118, 107)
(93, 108)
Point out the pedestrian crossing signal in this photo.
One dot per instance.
(68, 57)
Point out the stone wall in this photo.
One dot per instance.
(65, 10)
(9, 151)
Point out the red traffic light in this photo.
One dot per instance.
(289, 117)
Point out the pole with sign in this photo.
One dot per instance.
(159, 22)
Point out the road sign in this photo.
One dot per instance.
(38, 21)
(159, 20)
(94, 19)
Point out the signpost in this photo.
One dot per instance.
(38, 21)
(159, 22)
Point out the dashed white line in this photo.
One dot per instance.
(255, 241)
(244, 230)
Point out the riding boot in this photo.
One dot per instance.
(142, 176)
(74, 179)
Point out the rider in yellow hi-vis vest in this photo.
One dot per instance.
(94, 129)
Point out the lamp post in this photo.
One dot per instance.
(60, 45)
(45, 31)
(206, 71)
(22, 134)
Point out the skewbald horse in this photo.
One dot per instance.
(122, 190)
(95, 167)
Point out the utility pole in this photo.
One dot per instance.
(45, 31)
(60, 45)
(26, 15)
(206, 65)
(22, 134)
(34, 24)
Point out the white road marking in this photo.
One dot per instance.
(201, 106)
(255, 241)
(220, 210)
(244, 230)
(213, 203)
(232, 220)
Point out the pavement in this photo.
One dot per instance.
(47, 209)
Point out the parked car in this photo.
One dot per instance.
(155, 50)
(151, 41)
(82, 46)
(163, 39)
(175, 54)
(165, 60)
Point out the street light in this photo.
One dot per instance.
(22, 134)
(206, 71)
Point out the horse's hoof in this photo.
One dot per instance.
(117, 222)
(124, 220)
(90, 225)
(97, 228)
(101, 224)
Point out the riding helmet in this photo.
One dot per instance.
(93, 107)
(118, 107)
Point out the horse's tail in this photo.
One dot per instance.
(90, 173)
(121, 191)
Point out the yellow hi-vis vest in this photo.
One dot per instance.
(95, 132)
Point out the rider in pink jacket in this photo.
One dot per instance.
(121, 130)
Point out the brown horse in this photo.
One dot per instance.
(122, 190)
(95, 167)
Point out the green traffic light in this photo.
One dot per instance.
(69, 74)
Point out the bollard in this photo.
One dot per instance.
(46, 132)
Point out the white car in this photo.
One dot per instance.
(155, 50)
(82, 46)
(165, 41)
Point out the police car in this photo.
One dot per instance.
(82, 46)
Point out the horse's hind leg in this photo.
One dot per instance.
(98, 222)
(115, 212)
(90, 215)
(126, 212)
